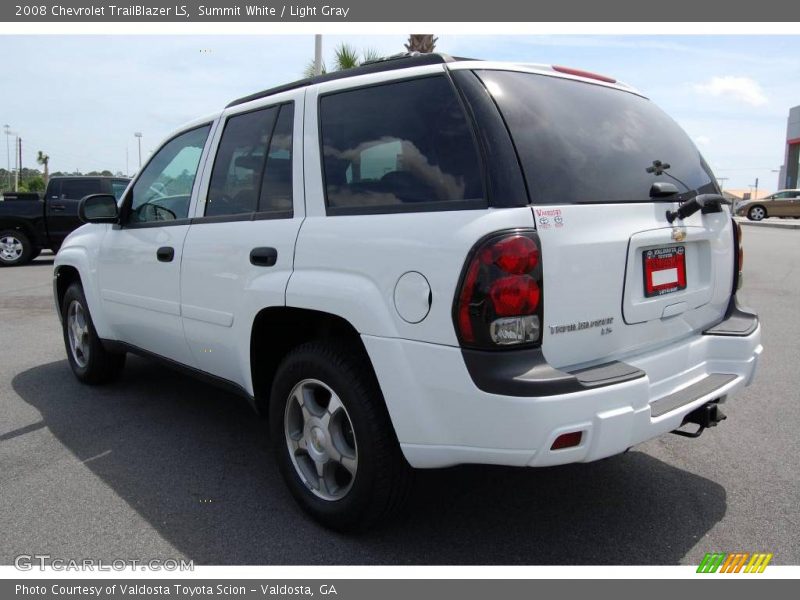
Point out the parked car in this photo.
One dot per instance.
(783, 203)
(30, 224)
(420, 263)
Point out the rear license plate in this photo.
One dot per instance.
(664, 270)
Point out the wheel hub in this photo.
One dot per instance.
(320, 439)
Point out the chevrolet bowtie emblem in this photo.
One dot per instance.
(678, 235)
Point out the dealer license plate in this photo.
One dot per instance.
(664, 270)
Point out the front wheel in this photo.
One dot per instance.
(90, 361)
(756, 213)
(334, 442)
(15, 248)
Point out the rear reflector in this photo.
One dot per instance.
(586, 74)
(567, 440)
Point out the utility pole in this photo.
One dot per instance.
(755, 194)
(138, 136)
(19, 142)
(126, 160)
(318, 54)
(721, 181)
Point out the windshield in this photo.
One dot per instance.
(579, 142)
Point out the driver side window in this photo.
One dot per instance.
(163, 190)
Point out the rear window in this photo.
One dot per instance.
(581, 143)
(402, 146)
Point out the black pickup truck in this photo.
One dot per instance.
(29, 225)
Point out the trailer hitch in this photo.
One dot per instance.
(705, 416)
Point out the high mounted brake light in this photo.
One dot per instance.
(581, 73)
(499, 300)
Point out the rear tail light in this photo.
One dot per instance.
(499, 301)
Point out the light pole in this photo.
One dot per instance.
(7, 129)
(318, 54)
(138, 136)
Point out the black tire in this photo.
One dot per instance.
(35, 253)
(14, 239)
(100, 366)
(382, 481)
(756, 213)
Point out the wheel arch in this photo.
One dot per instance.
(277, 330)
(73, 265)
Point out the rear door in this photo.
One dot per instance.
(618, 277)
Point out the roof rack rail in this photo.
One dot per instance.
(389, 63)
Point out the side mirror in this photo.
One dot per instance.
(98, 208)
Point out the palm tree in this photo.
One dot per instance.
(424, 43)
(44, 160)
(345, 57)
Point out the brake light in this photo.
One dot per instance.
(581, 73)
(499, 301)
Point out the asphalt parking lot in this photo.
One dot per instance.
(161, 466)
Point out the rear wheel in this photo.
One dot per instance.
(334, 442)
(90, 361)
(15, 248)
(756, 213)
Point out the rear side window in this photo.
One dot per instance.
(585, 143)
(253, 167)
(75, 189)
(403, 146)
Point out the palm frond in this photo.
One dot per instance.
(346, 57)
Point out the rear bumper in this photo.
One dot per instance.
(443, 418)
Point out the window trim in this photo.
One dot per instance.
(414, 207)
(255, 215)
(125, 207)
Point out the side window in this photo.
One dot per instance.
(75, 189)
(118, 187)
(399, 146)
(239, 164)
(276, 184)
(163, 190)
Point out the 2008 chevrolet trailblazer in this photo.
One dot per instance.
(424, 262)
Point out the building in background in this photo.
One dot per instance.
(789, 171)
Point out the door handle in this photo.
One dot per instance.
(57, 207)
(263, 257)
(165, 253)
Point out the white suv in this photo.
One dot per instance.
(424, 262)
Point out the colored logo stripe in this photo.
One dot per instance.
(734, 562)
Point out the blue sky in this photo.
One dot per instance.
(81, 98)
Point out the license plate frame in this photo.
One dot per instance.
(664, 270)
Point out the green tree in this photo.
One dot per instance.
(345, 57)
(35, 184)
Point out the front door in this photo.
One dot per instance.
(140, 260)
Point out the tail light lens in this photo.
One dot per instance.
(499, 300)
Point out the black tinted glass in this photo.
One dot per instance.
(276, 186)
(405, 144)
(239, 164)
(580, 142)
(75, 189)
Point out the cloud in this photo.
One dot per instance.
(742, 89)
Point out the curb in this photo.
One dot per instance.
(775, 224)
